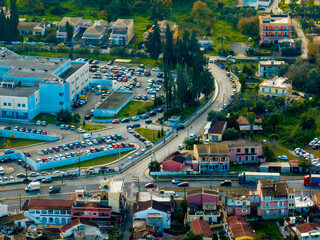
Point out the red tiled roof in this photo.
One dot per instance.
(217, 127)
(307, 227)
(52, 204)
(77, 221)
(242, 120)
(240, 227)
(294, 163)
(201, 226)
(161, 206)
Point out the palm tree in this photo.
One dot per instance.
(251, 119)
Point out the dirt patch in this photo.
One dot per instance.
(8, 170)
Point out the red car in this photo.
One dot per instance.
(114, 145)
(44, 133)
(44, 159)
(115, 121)
(160, 80)
(76, 105)
(28, 167)
(315, 146)
(130, 145)
(57, 149)
(119, 145)
(125, 80)
(149, 185)
(92, 150)
(116, 71)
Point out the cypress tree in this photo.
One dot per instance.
(153, 43)
(2, 25)
(168, 53)
(13, 21)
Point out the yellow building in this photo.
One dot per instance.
(276, 87)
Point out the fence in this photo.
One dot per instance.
(32, 136)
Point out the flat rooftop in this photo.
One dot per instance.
(18, 91)
(275, 20)
(30, 67)
(276, 82)
(74, 67)
(115, 100)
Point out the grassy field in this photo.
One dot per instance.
(92, 127)
(17, 142)
(133, 108)
(95, 162)
(45, 117)
(150, 134)
(266, 229)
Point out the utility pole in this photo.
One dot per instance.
(20, 200)
(79, 163)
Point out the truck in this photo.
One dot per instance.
(33, 186)
(313, 181)
(254, 177)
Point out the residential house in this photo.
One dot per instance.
(203, 204)
(97, 213)
(280, 167)
(238, 228)
(211, 158)
(76, 23)
(205, 42)
(34, 28)
(96, 34)
(294, 165)
(81, 229)
(216, 130)
(10, 222)
(122, 32)
(201, 227)
(174, 162)
(290, 224)
(276, 87)
(163, 27)
(157, 214)
(269, 68)
(48, 211)
(303, 203)
(237, 203)
(291, 200)
(245, 126)
(143, 232)
(275, 28)
(316, 199)
(273, 198)
(243, 152)
(307, 231)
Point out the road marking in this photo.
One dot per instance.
(22, 188)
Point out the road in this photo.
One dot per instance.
(302, 37)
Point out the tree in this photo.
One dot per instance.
(13, 21)
(168, 53)
(64, 116)
(76, 118)
(313, 52)
(312, 83)
(154, 166)
(200, 12)
(260, 106)
(231, 134)
(83, 123)
(251, 119)
(69, 29)
(102, 14)
(153, 43)
(192, 236)
(267, 153)
(307, 122)
(217, 115)
(274, 120)
(249, 25)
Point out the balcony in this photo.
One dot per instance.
(204, 213)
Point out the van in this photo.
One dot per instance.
(1, 171)
(54, 189)
(86, 135)
(8, 151)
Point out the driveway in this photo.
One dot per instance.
(239, 48)
(302, 37)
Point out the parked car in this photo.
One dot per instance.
(176, 181)
(183, 184)
(226, 183)
(149, 185)
(47, 180)
(115, 121)
(283, 157)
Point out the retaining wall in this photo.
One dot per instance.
(32, 136)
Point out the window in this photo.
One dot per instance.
(19, 105)
(56, 212)
(269, 90)
(94, 214)
(280, 204)
(60, 94)
(9, 104)
(239, 158)
(253, 150)
(238, 150)
(43, 211)
(229, 210)
(282, 91)
(276, 91)
(246, 150)
(63, 212)
(262, 89)
(252, 158)
(50, 211)
(23, 105)
(247, 158)
(244, 210)
(4, 104)
(61, 103)
(267, 204)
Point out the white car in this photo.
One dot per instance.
(12, 178)
(89, 142)
(38, 123)
(176, 181)
(156, 69)
(130, 130)
(180, 147)
(207, 141)
(192, 136)
(283, 157)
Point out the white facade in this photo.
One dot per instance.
(144, 214)
(52, 217)
(269, 68)
(83, 231)
(3, 210)
(78, 80)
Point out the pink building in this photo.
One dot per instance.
(97, 213)
(275, 29)
(174, 162)
(237, 203)
(242, 151)
(273, 198)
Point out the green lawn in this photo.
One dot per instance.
(17, 142)
(224, 29)
(266, 229)
(45, 117)
(150, 134)
(92, 127)
(95, 161)
(134, 108)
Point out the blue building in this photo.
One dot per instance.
(30, 85)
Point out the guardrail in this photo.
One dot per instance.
(32, 136)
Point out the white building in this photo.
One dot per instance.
(269, 68)
(307, 231)
(303, 203)
(157, 214)
(62, 32)
(122, 32)
(48, 211)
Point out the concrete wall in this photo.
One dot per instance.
(32, 136)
